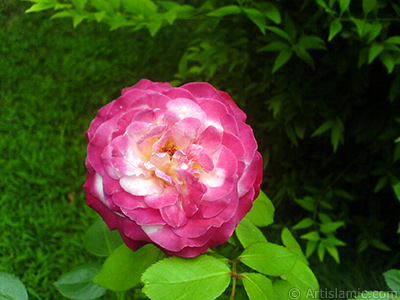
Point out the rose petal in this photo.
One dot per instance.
(186, 108)
(210, 139)
(200, 156)
(174, 215)
(160, 201)
(233, 143)
(127, 201)
(141, 186)
(184, 132)
(144, 216)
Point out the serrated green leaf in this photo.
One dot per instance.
(396, 189)
(271, 12)
(40, 7)
(312, 236)
(374, 51)
(302, 53)
(334, 28)
(321, 252)
(61, 14)
(79, 4)
(225, 11)
(344, 5)
(78, 18)
(102, 5)
(269, 259)
(337, 133)
(77, 284)
(380, 184)
(302, 278)
(248, 233)
(332, 250)
(279, 32)
(392, 278)
(378, 244)
(290, 242)
(11, 287)
(312, 42)
(393, 40)
(282, 58)
(324, 218)
(310, 247)
(368, 6)
(330, 227)
(257, 18)
(363, 27)
(323, 128)
(139, 7)
(274, 46)
(388, 61)
(201, 278)
(123, 268)
(258, 287)
(307, 203)
(100, 240)
(262, 212)
(376, 29)
(304, 223)
(283, 290)
(154, 27)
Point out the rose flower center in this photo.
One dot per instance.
(169, 148)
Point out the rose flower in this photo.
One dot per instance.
(175, 167)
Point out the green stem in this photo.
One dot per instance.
(121, 295)
(233, 288)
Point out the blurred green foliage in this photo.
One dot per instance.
(319, 80)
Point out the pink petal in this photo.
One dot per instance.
(152, 100)
(202, 90)
(175, 93)
(223, 234)
(166, 238)
(224, 207)
(250, 175)
(174, 215)
(223, 178)
(141, 85)
(215, 112)
(233, 143)
(146, 115)
(160, 201)
(234, 109)
(110, 185)
(230, 124)
(248, 139)
(186, 108)
(125, 200)
(141, 186)
(132, 231)
(210, 139)
(188, 252)
(196, 228)
(184, 132)
(200, 156)
(144, 216)
(245, 204)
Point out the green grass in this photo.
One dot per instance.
(53, 79)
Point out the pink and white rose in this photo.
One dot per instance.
(176, 167)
